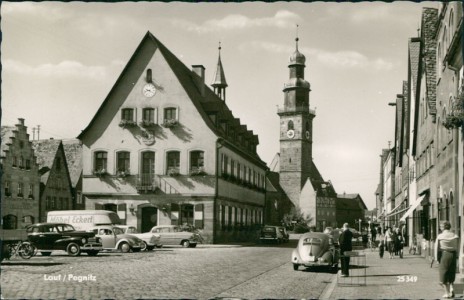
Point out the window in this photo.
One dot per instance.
(239, 171)
(290, 125)
(28, 164)
(123, 161)
(451, 25)
(148, 162)
(232, 167)
(100, 163)
(79, 198)
(7, 189)
(197, 160)
(170, 113)
(10, 222)
(127, 114)
(173, 162)
(20, 189)
(31, 191)
(148, 115)
(21, 162)
(225, 164)
(15, 161)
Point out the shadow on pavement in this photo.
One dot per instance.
(31, 263)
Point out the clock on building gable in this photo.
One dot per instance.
(149, 89)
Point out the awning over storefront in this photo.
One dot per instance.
(413, 207)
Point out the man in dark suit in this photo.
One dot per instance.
(345, 245)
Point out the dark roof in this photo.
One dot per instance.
(324, 188)
(414, 54)
(209, 101)
(45, 151)
(73, 153)
(274, 179)
(429, 28)
(350, 201)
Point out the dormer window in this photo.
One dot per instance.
(213, 118)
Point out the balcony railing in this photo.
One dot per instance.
(146, 182)
(295, 109)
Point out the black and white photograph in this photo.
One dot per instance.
(232, 150)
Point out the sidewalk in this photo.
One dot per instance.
(407, 278)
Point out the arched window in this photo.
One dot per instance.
(290, 125)
(197, 161)
(439, 59)
(123, 162)
(100, 161)
(10, 222)
(28, 220)
(451, 25)
(173, 162)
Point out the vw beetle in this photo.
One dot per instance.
(315, 249)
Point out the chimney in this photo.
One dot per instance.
(200, 82)
(21, 121)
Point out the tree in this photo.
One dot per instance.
(297, 220)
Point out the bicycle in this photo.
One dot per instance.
(25, 250)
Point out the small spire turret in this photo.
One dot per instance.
(219, 84)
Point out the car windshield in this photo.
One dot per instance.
(269, 229)
(131, 230)
(312, 241)
(118, 230)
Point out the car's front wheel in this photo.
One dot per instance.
(144, 246)
(295, 267)
(73, 249)
(124, 247)
(185, 244)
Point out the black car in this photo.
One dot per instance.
(60, 236)
(271, 233)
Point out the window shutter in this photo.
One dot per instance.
(177, 113)
(155, 115)
(174, 214)
(122, 212)
(98, 206)
(198, 216)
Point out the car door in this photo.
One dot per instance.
(108, 238)
(51, 235)
(163, 233)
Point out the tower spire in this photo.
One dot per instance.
(219, 84)
(297, 39)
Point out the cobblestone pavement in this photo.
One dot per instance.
(167, 273)
(412, 277)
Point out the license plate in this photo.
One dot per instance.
(312, 258)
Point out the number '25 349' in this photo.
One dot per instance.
(406, 278)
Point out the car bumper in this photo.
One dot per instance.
(92, 246)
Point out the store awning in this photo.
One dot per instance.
(412, 208)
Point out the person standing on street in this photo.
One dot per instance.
(389, 242)
(447, 243)
(399, 242)
(344, 241)
(381, 239)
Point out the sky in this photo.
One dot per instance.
(60, 60)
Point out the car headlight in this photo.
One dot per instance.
(84, 241)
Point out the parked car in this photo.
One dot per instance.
(315, 249)
(149, 239)
(174, 235)
(48, 237)
(114, 238)
(285, 235)
(271, 233)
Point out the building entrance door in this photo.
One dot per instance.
(149, 218)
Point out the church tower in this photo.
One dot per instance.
(295, 130)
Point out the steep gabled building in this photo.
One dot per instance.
(55, 183)
(20, 180)
(164, 148)
(73, 151)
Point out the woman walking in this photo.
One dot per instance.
(390, 242)
(447, 244)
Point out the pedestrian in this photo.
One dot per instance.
(344, 241)
(381, 240)
(373, 234)
(389, 242)
(447, 244)
(399, 242)
(395, 240)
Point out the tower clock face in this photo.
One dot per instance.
(290, 134)
(149, 90)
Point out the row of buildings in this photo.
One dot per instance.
(164, 148)
(421, 173)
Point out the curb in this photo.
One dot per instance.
(329, 288)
